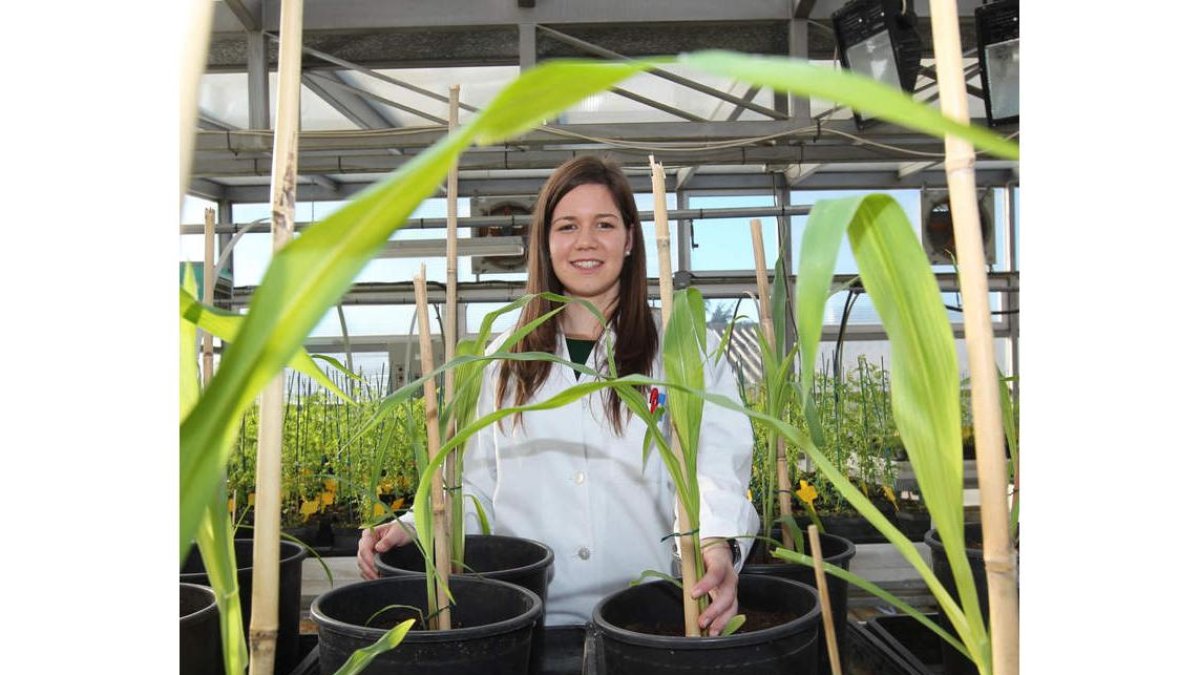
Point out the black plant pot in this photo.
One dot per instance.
(291, 558)
(199, 631)
(640, 631)
(953, 661)
(836, 551)
(493, 627)
(523, 562)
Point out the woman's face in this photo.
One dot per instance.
(588, 244)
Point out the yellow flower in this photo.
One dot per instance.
(386, 487)
(379, 510)
(250, 500)
(307, 508)
(232, 502)
(891, 496)
(398, 504)
(330, 485)
(807, 493)
(326, 498)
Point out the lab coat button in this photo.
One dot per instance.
(584, 553)
(579, 478)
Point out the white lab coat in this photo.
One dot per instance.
(565, 479)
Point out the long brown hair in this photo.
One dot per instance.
(632, 322)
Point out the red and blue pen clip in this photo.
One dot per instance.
(657, 398)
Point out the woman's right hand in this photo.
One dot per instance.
(377, 540)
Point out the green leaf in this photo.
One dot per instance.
(225, 325)
(847, 88)
(547, 90)
(734, 624)
(484, 525)
(361, 658)
(214, 539)
(189, 371)
(925, 377)
(874, 589)
(655, 574)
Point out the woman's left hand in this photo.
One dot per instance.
(720, 582)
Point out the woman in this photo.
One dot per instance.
(572, 477)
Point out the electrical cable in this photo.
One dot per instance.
(994, 312)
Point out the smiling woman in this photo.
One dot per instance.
(575, 477)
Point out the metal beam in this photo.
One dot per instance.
(258, 82)
(499, 158)
(370, 96)
(684, 175)
(477, 222)
(206, 189)
(638, 98)
(350, 105)
(724, 182)
(802, 8)
(751, 92)
(208, 122)
(797, 173)
(349, 65)
(670, 77)
(323, 181)
(249, 12)
(342, 15)
(526, 46)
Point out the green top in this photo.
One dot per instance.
(579, 350)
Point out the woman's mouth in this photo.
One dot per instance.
(585, 265)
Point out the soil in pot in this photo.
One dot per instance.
(199, 631)
(494, 622)
(787, 643)
(524, 562)
(291, 557)
(836, 551)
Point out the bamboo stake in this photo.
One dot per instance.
(210, 273)
(814, 543)
(453, 477)
(437, 490)
(687, 556)
(998, 555)
(264, 607)
(783, 481)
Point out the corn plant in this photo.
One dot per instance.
(314, 270)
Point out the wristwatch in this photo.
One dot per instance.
(736, 550)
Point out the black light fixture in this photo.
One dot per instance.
(878, 38)
(998, 31)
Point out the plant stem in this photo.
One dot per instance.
(998, 555)
(688, 552)
(783, 483)
(440, 603)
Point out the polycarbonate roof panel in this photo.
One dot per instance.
(477, 86)
(611, 107)
(223, 97)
